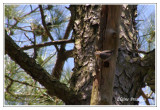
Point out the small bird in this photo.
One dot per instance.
(104, 55)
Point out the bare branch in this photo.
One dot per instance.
(145, 97)
(139, 51)
(47, 44)
(30, 12)
(44, 23)
(61, 57)
(71, 22)
(28, 37)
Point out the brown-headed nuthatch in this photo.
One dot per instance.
(104, 55)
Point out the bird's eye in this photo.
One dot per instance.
(106, 64)
(49, 24)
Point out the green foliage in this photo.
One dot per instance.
(10, 11)
(58, 19)
(44, 59)
(22, 89)
(37, 28)
(147, 28)
(66, 75)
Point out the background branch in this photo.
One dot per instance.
(61, 56)
(45, 27)
(47, 44)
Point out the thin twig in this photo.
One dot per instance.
(139, 51)
(28, 38)
(29, 13)
(21, 82)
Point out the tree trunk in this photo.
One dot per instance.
(130, 77)
(130, 68)
(85, 31)
(105, 70)
(131, 72)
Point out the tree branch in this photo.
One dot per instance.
(53, 86)
(47, 44)
(45, 27)
(61, 57)
(145, 97)
(71, 22)
(32, 11)
(139, 51)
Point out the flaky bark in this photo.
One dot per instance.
(85, 31)
(131, 75)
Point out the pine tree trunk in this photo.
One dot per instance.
(85, 31)
(105, 70)
(131, 70)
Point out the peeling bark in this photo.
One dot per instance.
(131, 73)
(85, 31)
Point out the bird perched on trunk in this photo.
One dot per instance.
(104, 55)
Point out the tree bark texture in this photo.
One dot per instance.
(127, 39)
(85, 31)
(130, 77)
(105, 70)
(131, 71)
